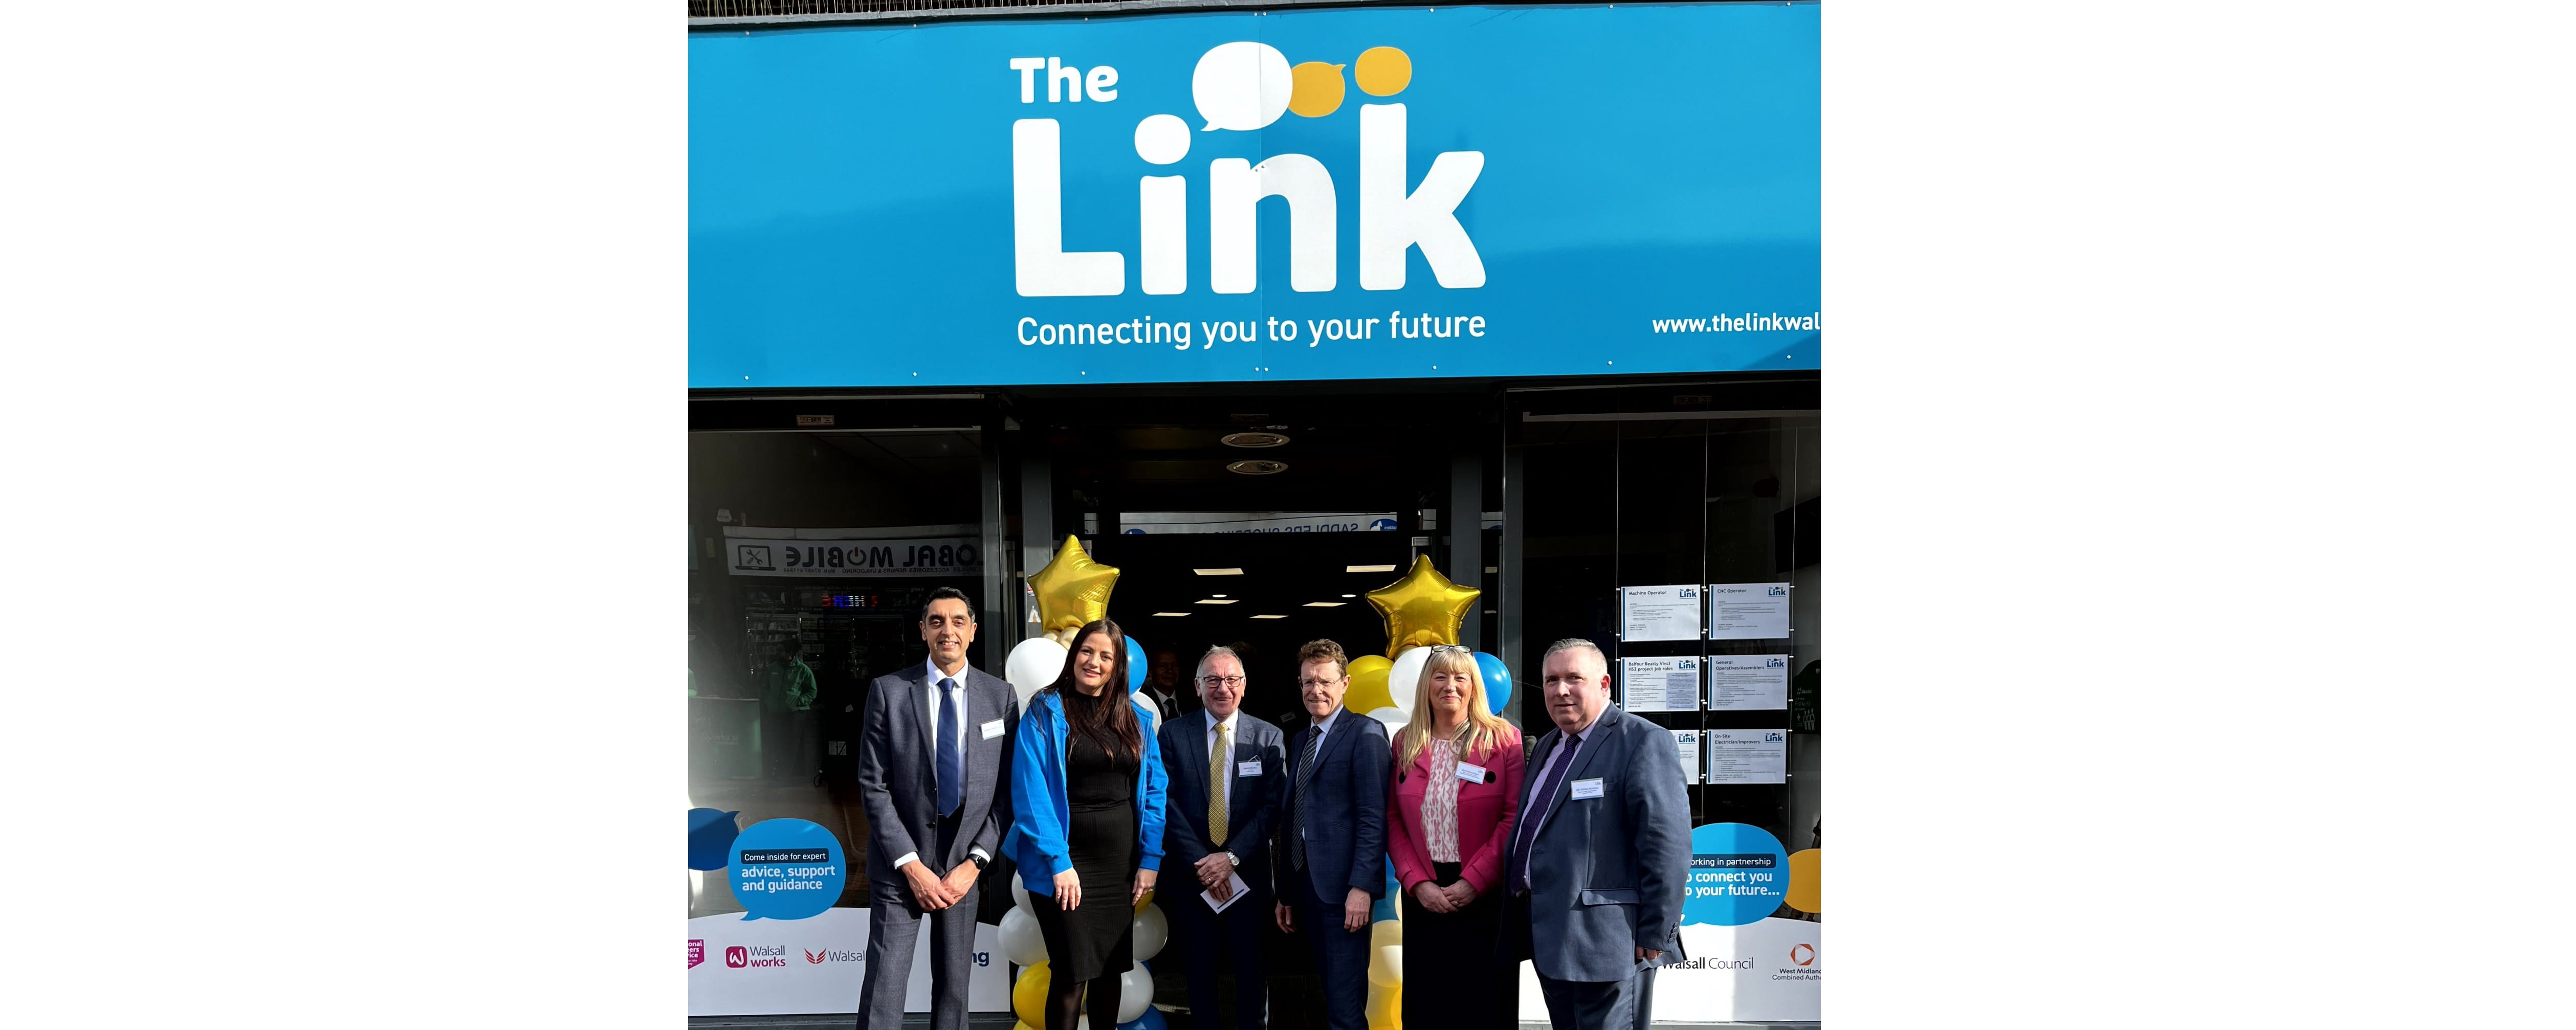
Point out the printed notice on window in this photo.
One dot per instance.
(1748, 611)
(1688, 742)
(1659, 684)
(1747, 756)
(1659, 613)
(1748, 682)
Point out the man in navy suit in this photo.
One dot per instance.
(1332, 844)
(934, 771)
(1600, 854)
(1229, 774)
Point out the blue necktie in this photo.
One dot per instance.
(952, 762)
(1527, 832)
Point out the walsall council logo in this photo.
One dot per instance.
(1803, 954)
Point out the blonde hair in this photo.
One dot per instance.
(1482, 732)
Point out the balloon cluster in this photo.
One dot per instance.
(1025, 947)
(1072, 592)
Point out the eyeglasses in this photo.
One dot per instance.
(1304, 683)
(1449, 649)
(1222, 681)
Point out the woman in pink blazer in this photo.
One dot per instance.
(1457, 783)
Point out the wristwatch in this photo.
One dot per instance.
(1233, 859)
(977, 859)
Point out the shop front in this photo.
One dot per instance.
(1267, 310)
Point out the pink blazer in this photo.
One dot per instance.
(1485, 813)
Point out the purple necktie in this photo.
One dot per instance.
(1527, 831)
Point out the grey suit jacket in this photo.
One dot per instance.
(898, 777)
(1608, 874)
(1251, 810)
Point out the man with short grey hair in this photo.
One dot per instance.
(1228, 773)
(1600, 852)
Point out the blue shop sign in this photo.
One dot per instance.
(1291, 195)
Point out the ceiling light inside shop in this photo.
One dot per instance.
(1256, 467)
(1218, 572)
(1367, 568)
(1350, 595)
(1269, 616)
(1173, 615)
(1213, 600)
(1252, 439)
(1326, 604)
(1216, 595)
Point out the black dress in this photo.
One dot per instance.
(1097, 937)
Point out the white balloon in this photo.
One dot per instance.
(1020, 895)
(1151, 931)
(1392, 717)
(1135, 993)
(1242, 86)
(1033, 666)
(1021, 941)
(1405, 679)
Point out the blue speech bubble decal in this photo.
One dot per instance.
(1738, 874)
(786, 869)
(711, 834)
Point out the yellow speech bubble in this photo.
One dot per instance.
(1318, 89)
(1384, 71)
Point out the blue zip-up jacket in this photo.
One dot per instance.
(1040, 810)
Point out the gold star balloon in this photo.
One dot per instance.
(1072, 590)
(1422, 608)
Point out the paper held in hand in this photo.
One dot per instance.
(1232, 880)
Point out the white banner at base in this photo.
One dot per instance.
(1758, 972)
(787, 967)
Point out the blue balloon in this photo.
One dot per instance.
(1498, 681)
(711, 831)
(1135, 666)
(1151, 1020)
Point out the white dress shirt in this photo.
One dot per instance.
(930, 695)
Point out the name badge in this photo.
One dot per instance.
(1586, 790)
(992, 729)
(1251, 768)
(1468, 773)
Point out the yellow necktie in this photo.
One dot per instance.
(1216, 781)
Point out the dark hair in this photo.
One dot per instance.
(946, 594)
(1323, 650)
(1110, 722)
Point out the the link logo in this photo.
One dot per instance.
(1243, 87)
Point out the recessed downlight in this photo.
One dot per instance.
(1213, 600)
(1172, 615)
(1253, 439)
(1269, 616)
(1218, 572)
(1326, 604)
(1256, 467)
(1367, 568)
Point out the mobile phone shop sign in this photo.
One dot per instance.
(1460, 191)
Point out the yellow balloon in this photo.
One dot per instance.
(1072, 590)
(1028, 996)
(1148, 899)
(1421, 609)
(1369, 691)
(1806, 893)
(1385, 1007)
(1316, 89)
(1384, 71)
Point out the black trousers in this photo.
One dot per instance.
(1210, 941)
(1454, 975)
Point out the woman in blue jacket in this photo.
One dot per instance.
(1087, 808)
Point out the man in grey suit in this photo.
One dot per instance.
(934, 770)
(1332, 848)
(1229, 776)
(1600, 854)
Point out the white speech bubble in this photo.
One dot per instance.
(1241, 86)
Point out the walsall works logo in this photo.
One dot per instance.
(1243, 87)
(756, 956)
